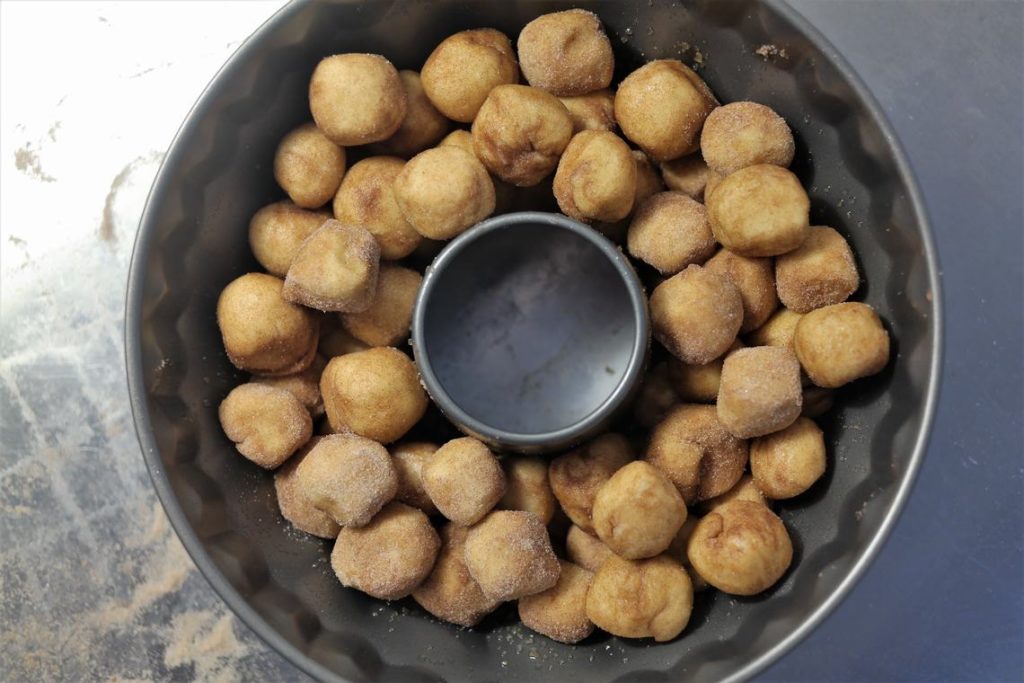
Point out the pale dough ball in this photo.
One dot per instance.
(759, 211)
(696, 315)
(348, 477)
(308, 166)
(698, 383)
(566, 53)
(357, 98)
(596, 177)
(423, 124)
(576, 476)
(670, 231)
(820, 272)
(464, 480)
(585, 550)
(648, 183)
(638, 511)
(754, 278)
(303, 385)
(293, 503)
(641, 598)
(688, 174)
(335, 269)
(745, 489)
(741, 134)
(386, 322)
(787, 463)
(560, 612)
(527, 487)
(778, 330)
(266, 424)
(409, 459)
(444, 191)
(367, 198)
(461, 71)
(450, 593)
(838, 344)
(760, 392)
(460, 138)
(509, 554)
(278, 230)
(713, 181)
(655, 397)
(593, 111)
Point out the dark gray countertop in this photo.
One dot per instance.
(93, 584)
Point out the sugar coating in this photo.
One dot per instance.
(760, 392)
(778, 330)
(596, 177)
(527, 487)
(696, 315)
(356, 98)
(509, 555)
(566, 53)
(450, 593)
(838, 344)
(741, 134)
(308, 166)
(278, 230)
(266, 424)
(444, 191)
(409, 459)
(560, 612)
(688, 174)
(335, 269)
(755, 278)
(585, 550)
(366, 197)
(788, 462)
(820, 272)
(464, 480)
(670, 231)
(638, 511)
(464, 68)
(698, 383)
(649, 598)
(387, 320)
(759, 211)
(593, 111)
(303, 385)
(293, 503)
(423, 125)
(576, 476)
(655, 397)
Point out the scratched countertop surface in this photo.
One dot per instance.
(95, 585)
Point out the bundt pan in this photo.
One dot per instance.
(192, 242)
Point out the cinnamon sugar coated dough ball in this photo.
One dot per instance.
(596, 177)
(638, 511)
(661, 107)
(423, 124)
(308, 166)
(740, 548)
(566, 53)
(655, 397)
(585, 550)
(443, 191)
(303, 385)
(464, 480)
(787, 463)
(696, 315)
(389, 557)
(838, 344)
(450, 593)
(527, 487)
(374, 393)
(295, 506)
(266, 424)
(386, 322)
(820, 272)
(462, 139)
(278, 230)
(641, 598)
(560, 612)
(759, 211)
(778, 330)
(714, 178)
(760, 392)
(367, 198)
(409, 460)
(261, 331)
(520, 132)
(461, 71)
(670, 231)
(688, 174)
(510, 556)
(335, 269)
(755, 279)
(348, 477)
(593, 111)
(699, 383)
(741, 134)
(357, 98)
(576, 476)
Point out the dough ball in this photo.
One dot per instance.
(638, 511)
(585, 550)
(699, 383)
(374, 393)
(596, 177)
(348, 477)
(423, 125)
(655, 397)
(687, 174)
(742, 134)
(294, 505)
(389, 557)
(661, 107)
(357, 98)
(820, 272)
(261, 331)
(566, 53)
(760, 392)
(520, 133)
(464, 480)
(278, 230)
(641, 598)
(648, 183)
(303, 385)
(576, 476)
(787, 463)
(694, 450)
(745, 489)
(335, 341)
(460, 138)
(266, 424)
(759, 211)
(560, 612)
(670, 231)
(754, 278)
(308, 166)
(593, 111)
(677, 552)
(443, 191)
(817, 401)
(696, 315)
(713, 181)
(450, 593)
(386, 322)
(410, 459)
(367, 198)
(778, 330)
(838, 344)
(335, 269)
(740, 548)
(527, 487)
(510, 556)
(461, 71)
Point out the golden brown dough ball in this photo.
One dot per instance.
(520, 132)
(745, 489)
(386, 322)
(699, 383)
(409, 460)
(374, 393)
(817, 401)
(755, 279)
(576, 476)
(464, 480)
(760, 392)
(820, 272)
(461, 71)
(596, 177)
(655, 397)
(669, 231)
(740, 548)
(641, 598)
(278, 230)
(696, 315)
(509, 554)
(527, 487)
(262, 332)
(460, 138)
(266, 424)
(688, 174)
(560, 612)
(335, 269)
(838, 344)
(759, 211)
(585, 550)
(303, 385)
(308, 166)
(661, 107)
(347, 476)
(367, 198)
(295, 506)
(443, 191)
(357, 98)
(638, 511)
(389, 557)
(778, 330)
(450, 593)
(787, 463)
(713, 180)
(423, 125)
(566, 53)
(741, 134)
(648, 183)
(593, 111)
